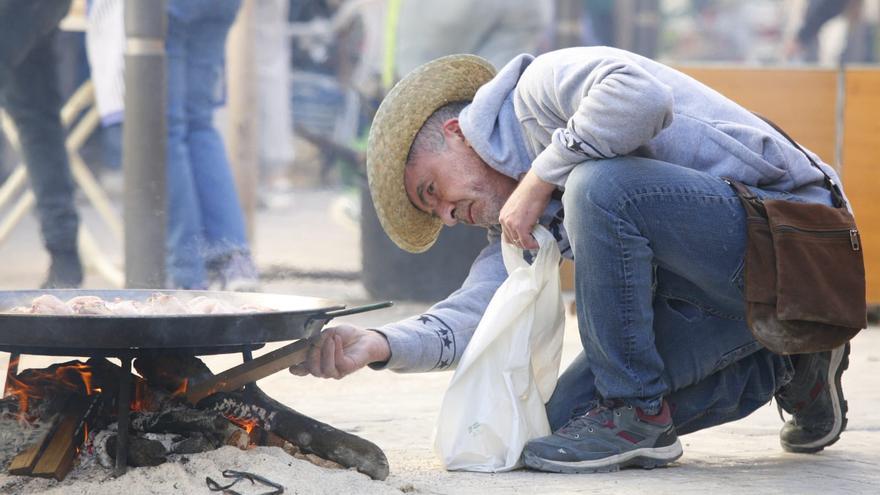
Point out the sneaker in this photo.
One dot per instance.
(65, 272)
(235, 271)
(607, 438)
(815, 400)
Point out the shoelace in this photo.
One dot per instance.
(597, 415)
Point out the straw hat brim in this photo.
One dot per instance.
(454, 78)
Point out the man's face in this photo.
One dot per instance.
(455, 184)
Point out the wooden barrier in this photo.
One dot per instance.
(861, 165)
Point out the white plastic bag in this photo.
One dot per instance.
(495, 400)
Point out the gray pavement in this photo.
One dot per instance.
(311, 233)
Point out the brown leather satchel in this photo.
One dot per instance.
(804, 271)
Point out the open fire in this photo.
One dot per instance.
(174, 405)
(75, 404)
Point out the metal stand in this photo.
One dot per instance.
(11, 370)
(123, 408)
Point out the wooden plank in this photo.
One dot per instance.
(860, 170)
(57, 458)
(801, 101)
(251, 371)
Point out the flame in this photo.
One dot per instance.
(181, 390)
(38, 384)
(246, 424)
(139, 402)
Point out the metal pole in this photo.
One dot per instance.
(144, 143)
(122, 420)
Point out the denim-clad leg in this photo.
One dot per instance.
(203, 205)
(658, 278)
(222, 218)
(186, 265)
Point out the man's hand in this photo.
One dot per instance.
(342, 350)
(523, 209)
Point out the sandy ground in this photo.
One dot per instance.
(398, 411)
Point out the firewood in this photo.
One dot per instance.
(323, 440)
(141, 451)
(170, 371)
(57, 459)
(251, 371)
(212, 425)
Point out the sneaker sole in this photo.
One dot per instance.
(646, 458)
(839, 358)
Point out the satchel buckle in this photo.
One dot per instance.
(854, 239)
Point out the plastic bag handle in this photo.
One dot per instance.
(548, 251)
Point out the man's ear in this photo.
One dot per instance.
(452, 129)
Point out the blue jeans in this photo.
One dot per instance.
(204, 215)
(29, 93)
(659, 295)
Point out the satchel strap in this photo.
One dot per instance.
(753, 205)
(836, 193)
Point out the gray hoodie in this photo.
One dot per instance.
(568, 107)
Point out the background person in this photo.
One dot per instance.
(29, 93)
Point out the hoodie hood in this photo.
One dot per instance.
(491, 126)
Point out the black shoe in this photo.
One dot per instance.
(65, 272)
(815, 400)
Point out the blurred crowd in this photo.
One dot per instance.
(322, 66)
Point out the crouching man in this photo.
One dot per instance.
(621, 158)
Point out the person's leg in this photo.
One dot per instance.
(222, 218)
(731, 393)
(658, 254)
(24, 24)
(629, 218)
(33, 100)
(186, 262)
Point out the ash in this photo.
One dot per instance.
(15, 435)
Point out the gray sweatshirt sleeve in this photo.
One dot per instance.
(610, 106)
(435, 340)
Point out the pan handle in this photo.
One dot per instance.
(357, 309)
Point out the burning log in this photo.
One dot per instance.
(308, 435)
(211, 425)
(172, 372)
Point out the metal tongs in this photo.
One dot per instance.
(242, 475)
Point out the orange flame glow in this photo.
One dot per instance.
(181, 390)
(38, 384)
(247, 425)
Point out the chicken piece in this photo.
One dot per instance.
(163, 304)
(255, 308)
(48, 304)
(223, 307)
(89, 305)
(125, 307)
(202, 305)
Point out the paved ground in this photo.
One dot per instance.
(398, 411)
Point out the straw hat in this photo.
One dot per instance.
(402, 113)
